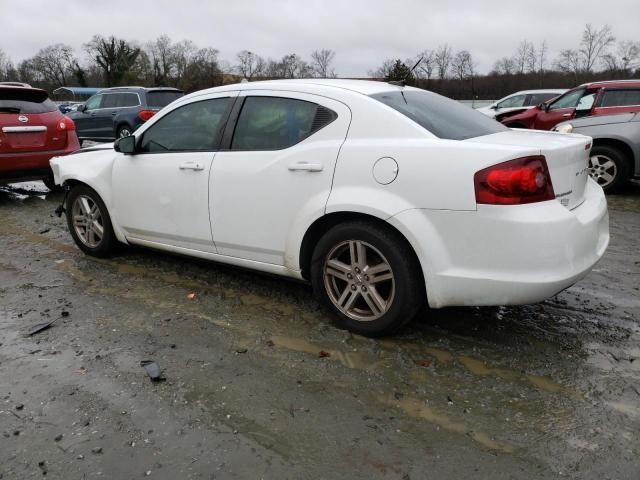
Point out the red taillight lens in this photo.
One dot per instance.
(523, 180)
(146, 114)
(65, 124)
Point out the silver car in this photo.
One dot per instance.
(615, 155)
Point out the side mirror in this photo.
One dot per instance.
(82, 108)
(126, 145)
(494, 106)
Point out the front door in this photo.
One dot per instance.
(161, 193)
(277, 169)
(86, 120)
(564, 108)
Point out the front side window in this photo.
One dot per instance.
(274, 123)
(512, 102)
(568, 100)
(193, 127)
(443, 117)
(94, 102)
(620, 98)
(586, 101)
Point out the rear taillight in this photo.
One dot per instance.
(65, 124)
(145, 115)
(523, 180)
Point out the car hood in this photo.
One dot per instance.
(600, 120)
(95, 148)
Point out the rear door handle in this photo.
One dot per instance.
(309, 167)
(197, 166)
(114, 114)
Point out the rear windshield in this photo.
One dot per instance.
(443, 117)
(162, 98)
(25, 101)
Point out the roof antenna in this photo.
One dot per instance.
(403, 82)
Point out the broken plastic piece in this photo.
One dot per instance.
(40, 327)
(152, 369)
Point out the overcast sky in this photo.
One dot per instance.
(362, 32)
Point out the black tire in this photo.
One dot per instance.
(621, 172)
(121, 129)
(409, 288)
(51, 185)
(108, 242)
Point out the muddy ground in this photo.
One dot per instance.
(542, 391)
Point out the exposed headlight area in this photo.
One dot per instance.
(566, 128)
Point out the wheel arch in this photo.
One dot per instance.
(323, 224)
(629, 155)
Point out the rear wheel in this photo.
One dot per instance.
(608, 167)
(368, 277)
(124, 131)
(89, 222)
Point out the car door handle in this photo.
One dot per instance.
(113, 114)
(566, 114)
(309, 167)
(191, 166)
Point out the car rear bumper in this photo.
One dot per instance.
(507, 255)
(29, 165)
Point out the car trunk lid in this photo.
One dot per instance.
(567, 157)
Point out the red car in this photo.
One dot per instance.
(596, 98)
(32, 131)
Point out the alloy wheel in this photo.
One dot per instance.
(359, 280)
(125, 132)
(87, 221)
(602, 169)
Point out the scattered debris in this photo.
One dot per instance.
(20, 406)
(449, 400)
(153, 370)
(270, 343)
(40, 327)
(241, 350)
(324, 354)
(191, 296)
(44, 230)
(423, 363)
(80, 457)
(58, 437)
(64, 313)
(96, 450)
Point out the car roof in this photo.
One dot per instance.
(612, 83)
(21, 88)
(146, 89)
(365, 87)
(540, 90)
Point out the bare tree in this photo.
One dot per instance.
(114, 56)
(249, 64)
(442, 60)
(542, 56)
(162, 59)
(462, 65)
(55, 63)
(594, 44)
(570, 61)
(629, 53)
(524, 58)
(6, 67)
(426, 66)
(504, 66)
(383, 70)
(321, 63)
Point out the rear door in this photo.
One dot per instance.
(102, 118)
(161, 194)
(618, 100)
(277, 170)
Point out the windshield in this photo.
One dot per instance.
(25, 101)
(443, 117)
(162, 98)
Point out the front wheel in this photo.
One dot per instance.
(368, 276)
(89, 222)
(124, 131)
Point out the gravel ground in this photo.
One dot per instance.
(260, 384)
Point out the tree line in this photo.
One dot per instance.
(111, 61)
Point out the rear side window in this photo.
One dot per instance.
(443, 117)
(274, 123)
(110, 100)
(128, 100)
(620, 98)
(515, 101)
(162, 98)
(191, 128)
(25, 101)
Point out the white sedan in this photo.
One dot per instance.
(384, 197)
(520, 101)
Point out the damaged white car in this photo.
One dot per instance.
(384, 197)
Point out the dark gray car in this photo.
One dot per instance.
(116, 112)
(615, 155)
